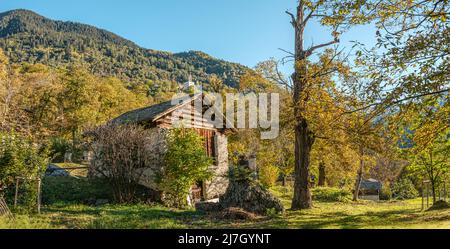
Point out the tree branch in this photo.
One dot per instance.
(398, 101)
(293, 19)
(287, 52)
(313, 48)
(311, 14)
(308, 17)
(279, 79)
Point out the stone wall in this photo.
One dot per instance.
(219, 183)
(157, 147)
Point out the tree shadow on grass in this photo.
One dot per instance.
(340, 220)
(141, 219)
(122, 216)
(141, 216)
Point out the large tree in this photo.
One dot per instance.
(339, 15)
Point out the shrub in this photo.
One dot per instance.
(19, 157)
(239, 174)
(268, 175)
(328, 194)
(386, 193)
(404, 189)
(121, 152)
(58, 148)
(186, 163)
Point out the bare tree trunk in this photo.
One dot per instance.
(433, 177)
(303, 136)
(303, 144)
(322, 174)
(358, 178)
(433, 191)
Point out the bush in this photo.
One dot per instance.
(328, 194)
(27, 196)
(239, 174)
(386, 193)
(20, 157)
(404, 189)
(58, 148)
(268, 175)
(121, 152)
(186, 163)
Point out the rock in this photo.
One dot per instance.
(96, 202)
(251, 197)
(90, 201)
(68, 157)
(101, 202)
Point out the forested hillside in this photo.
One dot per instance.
(28, 37)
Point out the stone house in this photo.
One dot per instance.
(159, 119)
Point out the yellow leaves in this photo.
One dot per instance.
(46, 101)
(268, 175)
(431, 126)
(253, 81)
(336, 34)
(343, 11)
(215, 83)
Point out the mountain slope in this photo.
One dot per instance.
(28, 37)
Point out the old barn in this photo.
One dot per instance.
(159, 120)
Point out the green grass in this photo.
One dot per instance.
(337, 215)
(73, 190)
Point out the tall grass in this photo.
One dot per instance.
(25, 222)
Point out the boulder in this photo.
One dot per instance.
(251, 197)
(96, 202)
(101, 202)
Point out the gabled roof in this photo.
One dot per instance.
(153, 113)
(370, 184)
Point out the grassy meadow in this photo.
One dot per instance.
(324, 215)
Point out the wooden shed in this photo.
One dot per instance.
(370, 189)
(159, 119)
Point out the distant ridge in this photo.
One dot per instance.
(26, 36)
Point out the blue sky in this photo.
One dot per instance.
(243, 31)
